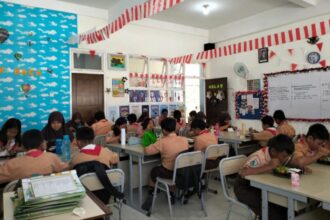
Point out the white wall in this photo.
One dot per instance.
(223, 67)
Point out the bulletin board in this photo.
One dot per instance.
(249, 105)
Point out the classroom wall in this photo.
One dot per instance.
(223, 67)
(34, 63)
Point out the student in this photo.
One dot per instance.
(201, 115)
(114, 135)
(143, 116)
(102, 126)
(164, 114)
(283, 126)
(169, 146)
(268, 131)
(133, 126)
(55, 129)
(35, 161)
(75, 122)
(279, 151)
(149, 136)
(192, 116)
(224, 121)
(180, 122)
(311, 147)
(90, 151)
(10, 136)
(203, 139)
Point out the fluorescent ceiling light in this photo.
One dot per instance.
(206, 9)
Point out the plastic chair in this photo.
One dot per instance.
(211, 152)
(10, 187)
(183, 160)
(116, 177)
(99, 140)
(229, 166)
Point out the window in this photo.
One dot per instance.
(86, 61)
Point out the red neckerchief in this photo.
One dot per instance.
(205, 131)
(34, 153)
(272, 131)
(95, 152)
(264, 149)
(181, 122)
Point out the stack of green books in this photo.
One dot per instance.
(48, 195)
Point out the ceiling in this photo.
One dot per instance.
(190, 13)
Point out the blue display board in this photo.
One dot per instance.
(249, 105)
(35, 63)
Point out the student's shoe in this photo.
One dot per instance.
(147, 204)
(172, 194)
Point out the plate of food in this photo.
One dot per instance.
(324, 160)
(283, 171)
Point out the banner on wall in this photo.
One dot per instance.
(216, 98)
(249, 105)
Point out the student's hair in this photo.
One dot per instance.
(85, 134)
(145, 123)
(268, 120)
(193, 113)
(164, 111)
(143, 116)
(131, 118)
(201, 115)
(56, 116)
(318, 131)
(177, 115)
(115, 128)
(281, 143)
(224, 116)
(99, 115)
(198, 124)
(168, 124)
(11, 123)
(279, 115)
(32, 139)
(75, 116)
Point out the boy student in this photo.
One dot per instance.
(279, 151)
(283, 126)
(90, 151)
(35, 161)
(203, 138)
(268, 131)
(311, 147)
(169, 146)
(102, 126)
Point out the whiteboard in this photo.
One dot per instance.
(300, 95)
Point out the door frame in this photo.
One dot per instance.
(89, 72)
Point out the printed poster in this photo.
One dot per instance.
(118, 88)
(124, 110)
(145, 108)
(154, 111)
(113, 113)
(136, 109)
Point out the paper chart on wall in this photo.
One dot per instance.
(113, 113)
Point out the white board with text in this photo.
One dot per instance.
(300, 95)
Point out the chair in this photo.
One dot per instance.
(211, 152)
(100, 140)
(10, 187)
(116, 177)
(229, 166)
(183, 160)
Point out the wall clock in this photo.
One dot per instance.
(313, 57)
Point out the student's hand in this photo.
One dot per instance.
(275, 162)
(322, 152)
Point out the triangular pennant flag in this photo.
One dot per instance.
(271, 54)
(323, 63)
(92, 53)
(293, 66)
(319, 45)
(290, 51)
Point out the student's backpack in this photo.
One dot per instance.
(100, 170)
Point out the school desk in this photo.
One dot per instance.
(94, 208)
(312, 186)
(236, 140)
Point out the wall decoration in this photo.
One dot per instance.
(145, 108)
(253, 85)
(117, 62)
(154, 110)
(113, 113)
(138, 95)
(124, 110)
(313, 57)
(216, 98)
(28, 92)
(249, 105)
(136, 109)
(263, 55)
(118, 88)
(182, 109)
(157, 96)
(161, 107)
(171, 109)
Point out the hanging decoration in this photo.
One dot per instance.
(319, 46)
(4, 34)
(323, 63)
(272, 54)
(291, 51)
(92, 53)
(293, 66)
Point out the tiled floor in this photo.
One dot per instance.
(217, 207)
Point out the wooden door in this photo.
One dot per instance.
(87, 95)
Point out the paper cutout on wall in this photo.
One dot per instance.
(26, 88)
(4, 34)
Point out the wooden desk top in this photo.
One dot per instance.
(314, 185)
(93, 206)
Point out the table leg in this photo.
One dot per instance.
(290, 209)
(264, 204)
(140, 181)
(131, 179)
(236, 146)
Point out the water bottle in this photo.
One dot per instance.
(58, 149)
(66, 148)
